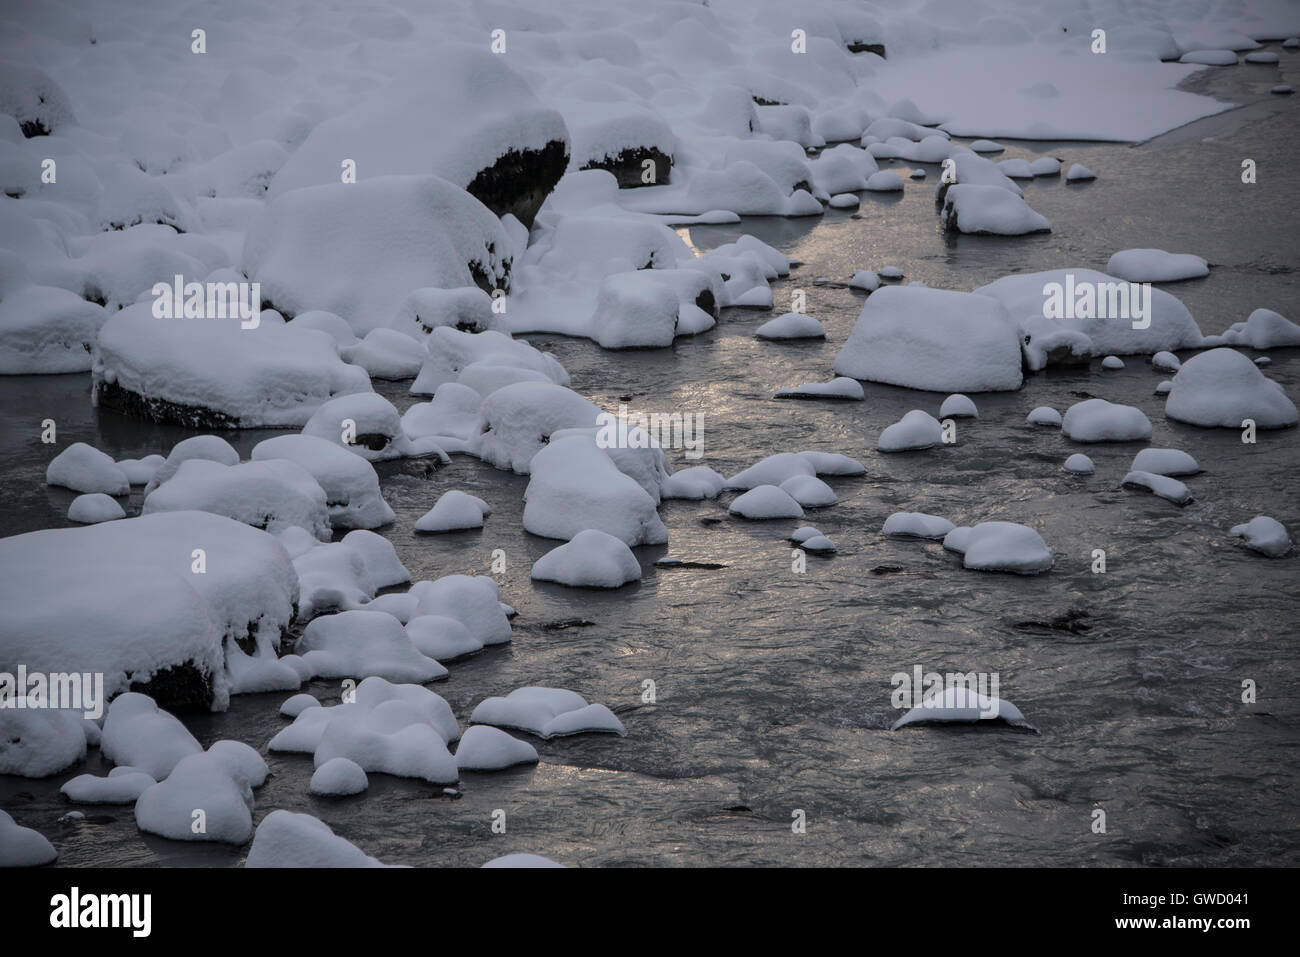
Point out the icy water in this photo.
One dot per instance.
(773, 688)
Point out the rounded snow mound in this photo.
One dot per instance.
(1222, 389)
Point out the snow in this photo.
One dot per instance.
(792, 325)
(841, 387)
(804, 533)
(592, 559)
(546, 713)
(865, 280)
(142, 471)
(367, 425)
(212, 372)
(1044, 415)
(1210, 57)
(83, 468)
(845, 201)
(359, 643)
(338, 777)
(350, 483)
(1097, 420)
(772, 470)
(1171, 325)
(1165, 362)
(766, 502)
(1000, 547)
(696, 483)
(404, 233)
(272, 494)
(94, 507)
(962, 704)
(1265, 535)
(386, 354)
(1166, 488)
(139, 734)
(958, 406)
(915, 430)
(210, 447)
(1165, 462)
(22, 846)
(884, 181)
(44, 329)
(440, 637)
(467, 309)
(833, 463)
(989, 211)
(286, 839)
(809, 491)
(634, 311)
(917, 525)
(1156, 265)
(452, 350)
(1079, 464)
(1222, 388)
(473, 600)
(130, 585)
(987, 146)
(1112, 363)
(485, 748)
(575, 486)
(517, 422)
(454, 511)
(1263, 329)
(933, 339)
(297, 704)
(122, 785)
(37, 741)
(1078, 173)
(522, 860)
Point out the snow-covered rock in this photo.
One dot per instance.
(1044, 415)
(792, 325)
(473, 600)
(453, 512)
(917, 525)
(485, 748)
(833, 463)
(933, 339)
(841, 387)
(591, 559)
(517, 422)
(1222, 388)
(1079, 464)
(958, 406)
(772, 470)
(367, 425)
(386, 354)
(866, 280)
(962, 704)
(23, 846)
(1165, 462)
(1112, 363)
(989, 211)
(273, 494)
(37, 740)
(1263, 329)
(359, 644)
(634, 311)
(1096, 420)
(122, 785)
(350, 483)
(916, 430)
(1000, 547)
(1265, 535)
(338, 777)
(203, 799)
(452, 350)
(1078, 173)
(93, 508)
(695, 483)
(44, 329)
(547, 713)
(766, 502)
(441, 637)
(1156, 265)
(83, 468)
(1166, 362)
(1159, 485)
(286, 839)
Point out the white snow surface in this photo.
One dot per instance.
(1222, 388)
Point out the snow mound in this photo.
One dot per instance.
(1159, 485)
(916, 430)
(286, 839)
(1156, 265)
(809, 491)
(1263, 329)
(1000, 547)
(1165, 462)
(350, 483)
(1044, 415)
(338, 777)
(933, 339)
(694, 483)
(272, 495)
(203, 799)
(792, 325)
(485, 748)
(359, 644)
(547, 713)
(517, 422)
(454, 511)
(1096, 420)
(1265, 535)
(592, 559)
(37, 741)
(83, 468)
(917, 525)
(841, 387)
(22, 846)
(1079, 464)
(962, 704)
(958, 406)
(989, 211)
(123, 785)
(1222, 388)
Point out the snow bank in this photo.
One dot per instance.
(933, 339)
(592, 559)
(1222, 388)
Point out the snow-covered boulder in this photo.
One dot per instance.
(473, 600)
(1079, 464)
(1044, 415)
(1263, 329)
(772, 470)
(633, 311)
(695, 483)
(841, 387)
(962, 704)
(547, 713)
(989, 211)
(517, 422)
(122, 785)
(36, 740)
(1096, 420)
(468, 309)
(442, 638)
(485, 748)
(358, 644)
(212, 448)
(359, 249)
(286, 839)
(367, 425)
(1222, 388)
(1165, 462)
(139, 734)
(766, 502)
(338, 777)
(386, 354)
(917, 525)
(93, 508)
(918, 429)
(452, 350)
(933, 339)
(84, 468)
(461, 113)
(44, 329)
(350, 483)
(1265, 535)
(23, 846)
(33, 99)
(1112, 363)
(1156, 265)
(210, 373)
(809, 491)
(575, 486)
(1078, 173)
(591, 559)
(271, 495)
(1000, 547)
(454, 511)
(1158, 485)
(833, 463)
(958, 406)
(792, 325)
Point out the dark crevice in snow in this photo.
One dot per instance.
(113, 396)
(518, 183)
(628, 166)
